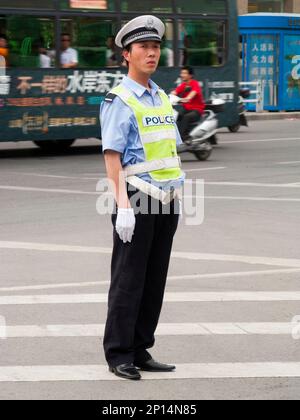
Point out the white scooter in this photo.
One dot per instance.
(203, 132)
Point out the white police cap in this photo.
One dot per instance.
(142, 28)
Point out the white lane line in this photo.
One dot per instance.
(219, 168)
(281, 262)
(228, 296)
(47, 190)
(240, 198)
(72, 373)
(232, 275)
(253, 184)
(170, 278)
(34, 246)
(53, 286)
(182, 329)
(288, 163)
(55, 176)
(259, 140)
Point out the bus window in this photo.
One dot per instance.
(155, 6)
(167, 58)
(88, 4)
(28, 4)
(270, 6)
(30, 41)
(202, 6)
(92, 39)
(202, 43)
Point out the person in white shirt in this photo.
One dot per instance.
(69, 56)
(45, 60)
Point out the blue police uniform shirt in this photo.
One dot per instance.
(120, 130)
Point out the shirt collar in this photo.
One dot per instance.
(138, 89)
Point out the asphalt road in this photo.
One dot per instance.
(228, 321)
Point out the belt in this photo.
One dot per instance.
(152, 165)
(153, 191)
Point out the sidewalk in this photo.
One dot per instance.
(264, 116)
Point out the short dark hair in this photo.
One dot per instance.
(128, 48)
(66, 34)
(189, 69)
(2, 36)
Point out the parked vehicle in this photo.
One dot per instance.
(244, 94)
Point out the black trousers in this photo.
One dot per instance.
(138, 279)
(185, 119)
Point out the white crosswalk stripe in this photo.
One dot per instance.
(227, 296)
(97, 330)
(183, 371)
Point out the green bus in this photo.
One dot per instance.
(43, 102)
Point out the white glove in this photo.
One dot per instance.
(125, 224)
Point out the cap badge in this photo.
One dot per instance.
(150, 23)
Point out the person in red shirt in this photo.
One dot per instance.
(193, 105)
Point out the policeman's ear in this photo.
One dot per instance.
(126, 54)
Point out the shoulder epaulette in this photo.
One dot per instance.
(110, 97)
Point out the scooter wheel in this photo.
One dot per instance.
(203, 155)
(234, 128)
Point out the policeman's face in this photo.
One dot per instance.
(143, 56)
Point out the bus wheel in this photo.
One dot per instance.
(54, 145)
(204, 155)
(234, 128)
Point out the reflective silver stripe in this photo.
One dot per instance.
(158, 136)
(141, 36)
(154, 165)
(153, 191)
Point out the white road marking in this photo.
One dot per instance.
(204, 169)
(55, 176)
(253, 184)
(288, 163)
(53, 286)
(227, 296)
(242, 198)
(72, 373)
(259, 140)
(232, 275)
(170, 278)
(46, 190)
(180, 329)
(34, 246)
(281, 262)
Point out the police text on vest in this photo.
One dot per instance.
(158, 120)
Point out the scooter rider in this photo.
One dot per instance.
(192, 102)
(139, 137)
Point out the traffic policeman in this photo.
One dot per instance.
(139, 138)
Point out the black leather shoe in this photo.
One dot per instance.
(126, 371)
(153, 366)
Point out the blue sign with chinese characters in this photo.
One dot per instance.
(263, 65)
(271, 54)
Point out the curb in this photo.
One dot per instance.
(269, 116)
